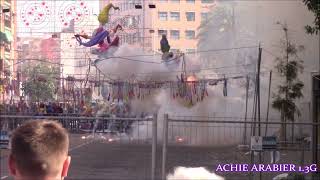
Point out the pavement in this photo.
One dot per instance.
(101, 159)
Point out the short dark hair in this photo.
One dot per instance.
(37, 147)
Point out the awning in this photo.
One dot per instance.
(3, 38)
(9, 36)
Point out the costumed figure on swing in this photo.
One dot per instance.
(171, 59)
(101, 36)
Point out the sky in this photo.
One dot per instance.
(51, 16)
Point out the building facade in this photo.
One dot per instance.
(136, 22)
(179, 20)
(8, 52)
(31, 50)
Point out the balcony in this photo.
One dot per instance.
(7, 48)
(1, 64)
(7, 20)
(3, 39)
(7, 23)
(6, 67)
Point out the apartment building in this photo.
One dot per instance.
(179, 20)
(136, 21)
(7, 49)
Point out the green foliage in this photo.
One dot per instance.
(41, 83)
(288, 66)
(288, 107)
(313, 6)
(3, 38)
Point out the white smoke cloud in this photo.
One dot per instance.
(161, 101)
(253, 24)
(198, 173)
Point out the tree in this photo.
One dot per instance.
(288, 66)
(40, 84)
(313, 6)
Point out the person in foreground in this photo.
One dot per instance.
(188, 173)
(39, 151)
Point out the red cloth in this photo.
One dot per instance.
(104, 46)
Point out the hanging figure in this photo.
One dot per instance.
(103, 17)
(100, 34)
(98, 38)
(165, 48)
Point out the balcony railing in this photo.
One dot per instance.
(7, 23)
(7, 47)
(1, 64)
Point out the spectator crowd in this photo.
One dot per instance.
(46, 108)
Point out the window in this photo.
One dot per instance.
(204, 17)
(124, 6)
(190, 34)
(7, 16)
(175, 34)
(135, 37)
(120, 6)
(131, 5)
(175, 1)
(161, 31)
(190, 16)
(81, 63)
(132, 39)
(190, 1)
(174, 50)
(163, 16)
(175, 16)
(138, 19)
(190, 51)
(206, 1)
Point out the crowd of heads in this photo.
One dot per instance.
(47, 108)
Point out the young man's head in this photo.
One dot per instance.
(39, 151)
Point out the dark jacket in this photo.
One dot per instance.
(165, 47)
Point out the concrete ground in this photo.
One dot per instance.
(101, 159)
